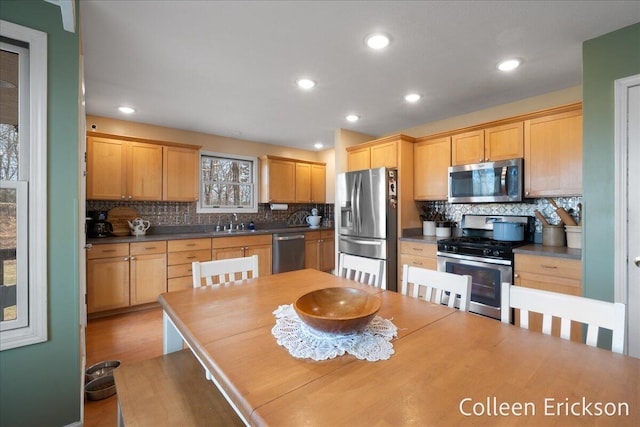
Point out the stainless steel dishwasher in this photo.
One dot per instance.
(287, 252)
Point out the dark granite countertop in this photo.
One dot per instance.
(197, 232)
(552, 251)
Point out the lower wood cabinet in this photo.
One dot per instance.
(319, 250)
(418, 255)
(181, 253)
(243, 246)
(121, 275)
(562, 275)
(148, 275)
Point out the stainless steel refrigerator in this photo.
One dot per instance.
(367, 217)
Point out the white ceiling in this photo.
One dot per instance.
(229, 68)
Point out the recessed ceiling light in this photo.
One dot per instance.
(413, 97)
(377, 41)
(306, 83)
(352, 118)
(509, 65)
(318, 145)
(126, 110)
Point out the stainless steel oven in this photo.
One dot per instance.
(489, 262)
(487, 277)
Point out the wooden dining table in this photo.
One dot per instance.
(449, 367)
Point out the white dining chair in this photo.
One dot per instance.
(595, 314)
(223, 271)
(433, 286)
(364, 270)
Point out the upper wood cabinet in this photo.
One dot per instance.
(488, 145)
(123, 170)
(432, 158)
(278, 182)
(318, 183)
(379, 155)
(132, 169)
(553, 155)
(504, 142)
(292, 181)
(467, 148)
(358, 158)
(384, 155)
(180, 174)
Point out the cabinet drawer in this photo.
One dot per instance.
(188, 257)
(418, 261)
(327, 234)
(179, 270)
(147, 248)
(231, 242)
(420, 249)
(549, 266)
(188, 245)
(312, 235)
(108, 250)
(179, 283)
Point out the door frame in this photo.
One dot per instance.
(621, 164)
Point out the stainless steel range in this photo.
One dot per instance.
(489, 262)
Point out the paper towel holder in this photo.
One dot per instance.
(279, 206)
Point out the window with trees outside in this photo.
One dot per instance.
(23, 186)
(227, 183)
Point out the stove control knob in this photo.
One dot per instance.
(453, 248)
(486, 252)
(497, 252)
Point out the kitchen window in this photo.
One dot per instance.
(23, 186)
(227, 183)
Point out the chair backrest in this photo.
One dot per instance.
(364, 270)
(223, 271)
(433, 286)
(595, 314)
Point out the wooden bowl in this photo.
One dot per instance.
(337, 310)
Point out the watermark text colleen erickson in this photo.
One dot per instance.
(491, 406)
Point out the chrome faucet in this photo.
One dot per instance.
(231, 218)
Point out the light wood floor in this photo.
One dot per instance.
(128, 338)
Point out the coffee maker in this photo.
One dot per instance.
(97, 224)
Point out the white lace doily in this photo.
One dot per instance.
(372, 344)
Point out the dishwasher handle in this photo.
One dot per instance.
(289, 237)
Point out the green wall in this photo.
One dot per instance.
(605, 59)
(40, 384)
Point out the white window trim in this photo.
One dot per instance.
(36, 330)
(253, 208)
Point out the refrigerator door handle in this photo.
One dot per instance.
(358, 212)
(354, 208)
(362, 242)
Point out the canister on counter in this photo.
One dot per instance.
(553, 235)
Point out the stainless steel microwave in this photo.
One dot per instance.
(489, 182)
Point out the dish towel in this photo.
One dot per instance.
(303, 342)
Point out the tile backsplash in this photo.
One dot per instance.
(184, 213)
(454, 212)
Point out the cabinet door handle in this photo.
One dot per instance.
(108, 250)
(148, 248)
(516, 275)
(548, 266)
(132, 258)
(191, 257)
(126, 258)
(637, 261)
(190, 244)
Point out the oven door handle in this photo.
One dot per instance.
(445, 255)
